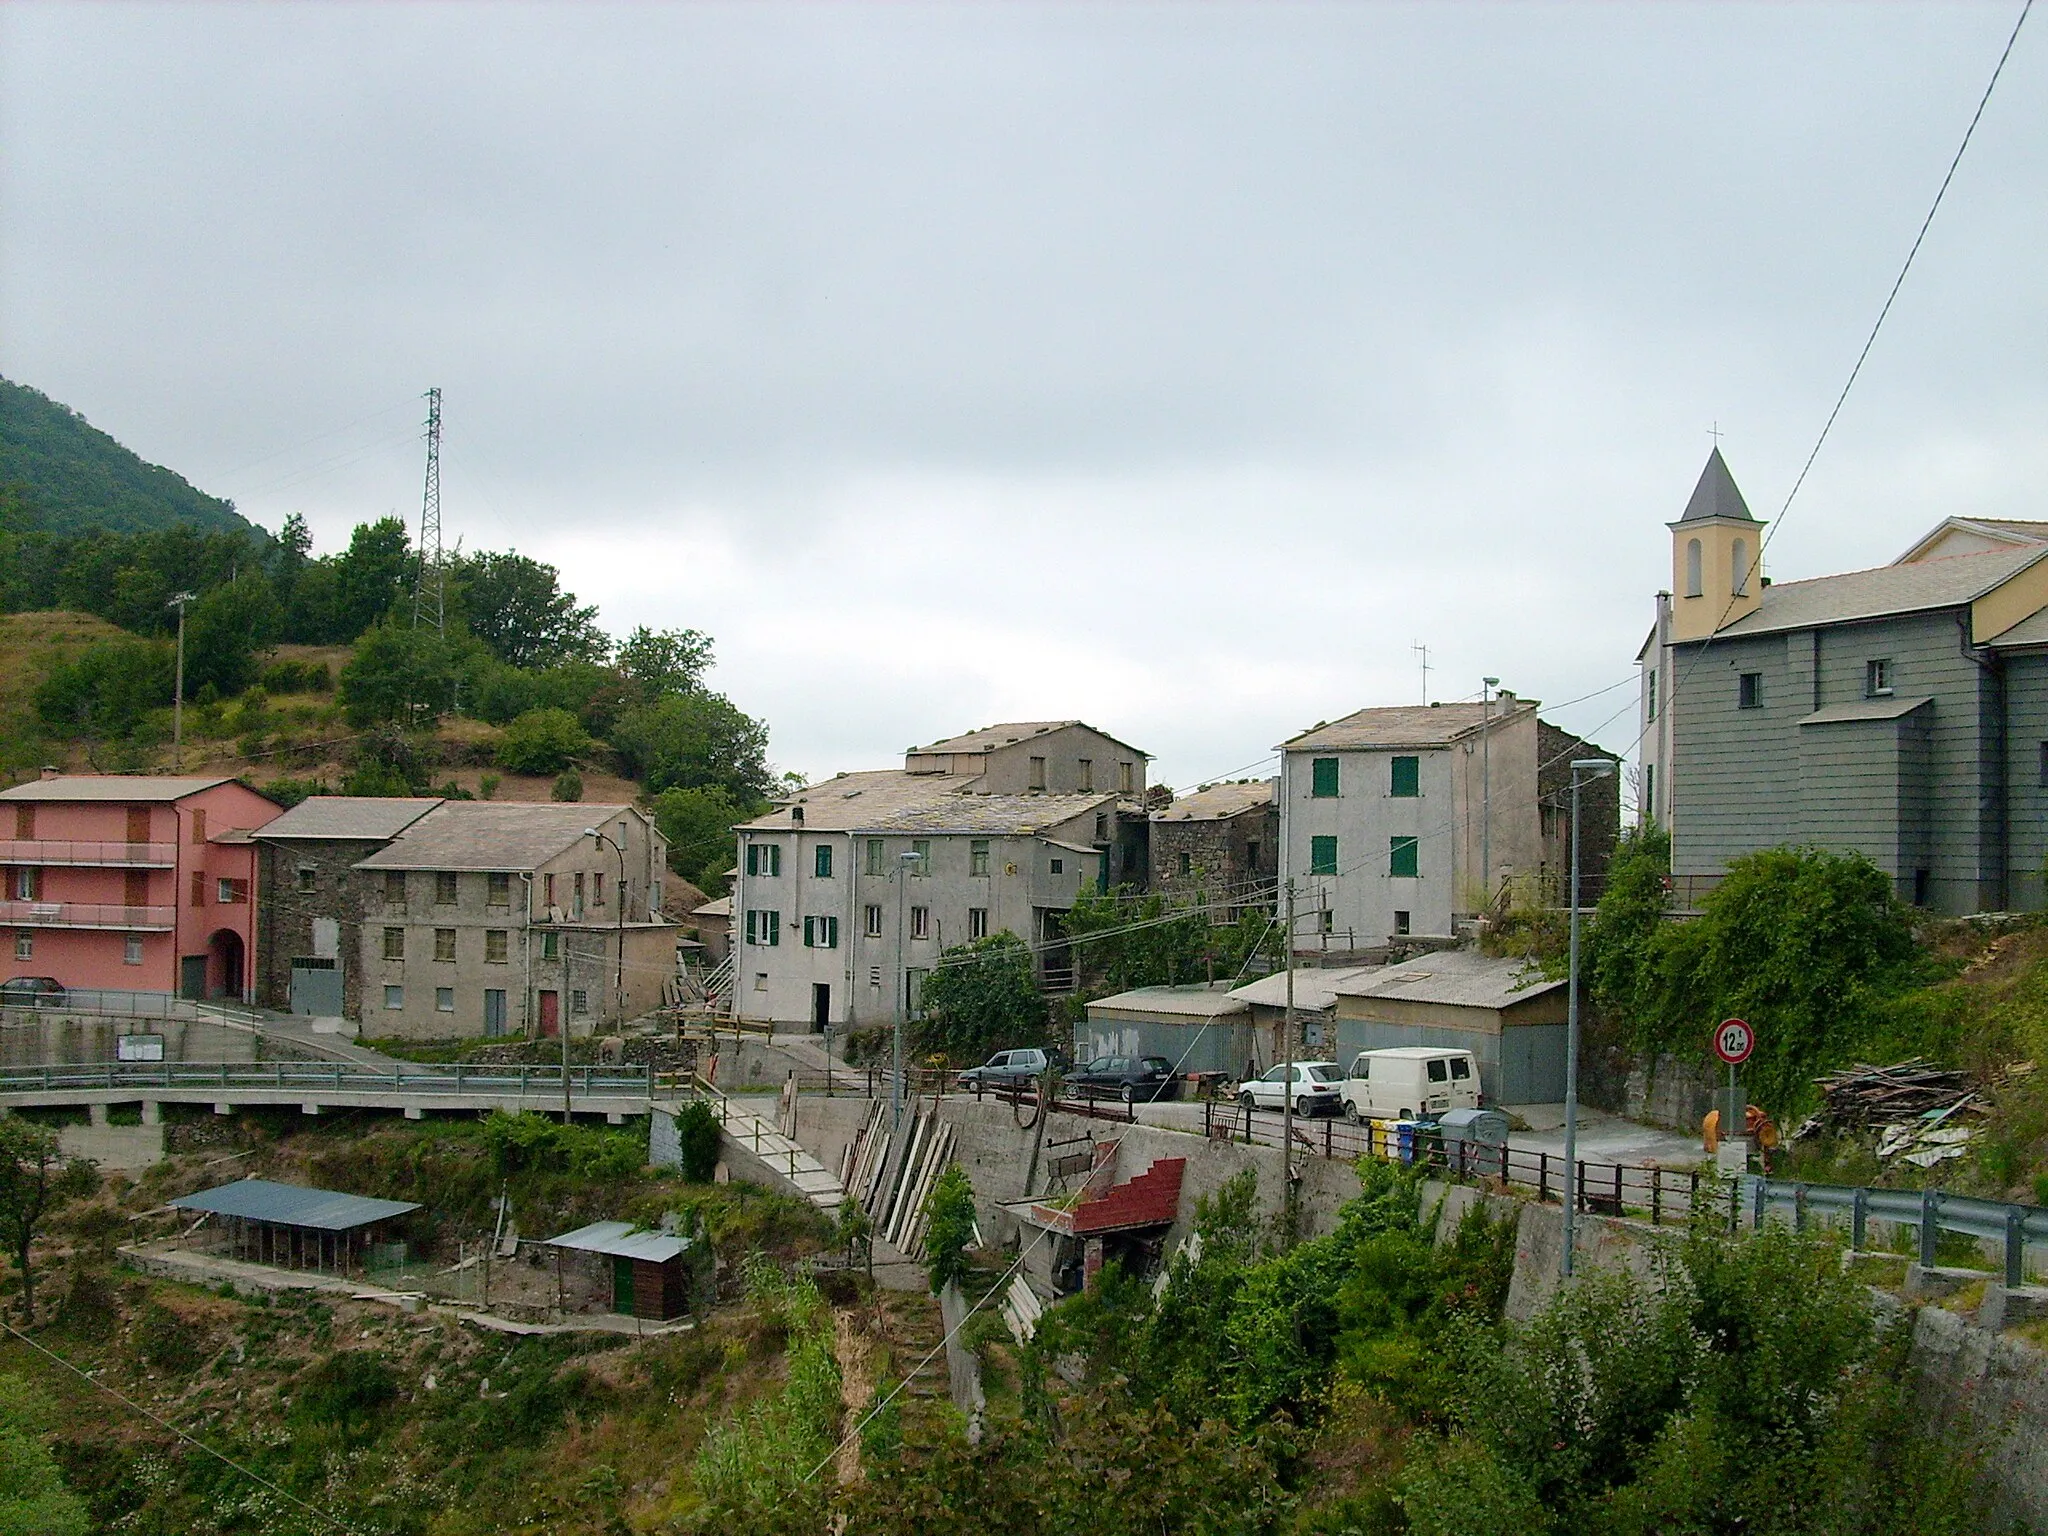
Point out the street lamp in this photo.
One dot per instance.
(909, 860)
(619, 980)
(1486, 687)
(1591, 768)
(178, 601)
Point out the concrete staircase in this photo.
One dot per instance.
(753, 1138)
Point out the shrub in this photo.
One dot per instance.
(487, 786)
(568, 787)
(542, 741)
(949, 1227)
(697, 1139)
(296, 677)
(346, 1391)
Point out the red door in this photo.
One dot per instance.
(551, 1013)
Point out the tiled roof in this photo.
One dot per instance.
(1947, 582)
(890, 800)
(490, 834)
(349, 817)
(989, 737)
(1218, 801)
(117, 787)
(1462, 977)
(1152, 1199)
(1405, 725)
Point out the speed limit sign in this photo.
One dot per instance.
(1733, 1041)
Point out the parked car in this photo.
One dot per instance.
(1410, 1082)
(1130, 1078)
(1313, 1086)
(32, 992)
(1009, 1068)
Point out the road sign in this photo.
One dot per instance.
(1733, 1041)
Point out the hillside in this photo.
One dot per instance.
(32, 645)
(69, 477)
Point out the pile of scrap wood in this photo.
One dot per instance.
(1864, 1095)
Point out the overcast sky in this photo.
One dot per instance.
(1177, 368)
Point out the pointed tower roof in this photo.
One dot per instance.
(1716, 495)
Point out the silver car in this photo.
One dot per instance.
(1315, 1087)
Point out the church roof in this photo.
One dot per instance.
(1716, 495)
(1945, 583)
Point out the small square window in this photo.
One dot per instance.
(394, 997)
(920, 922)
(24, 945)
(1406, 778)
(1322, 855)
(874, 922)
(579, 1002)
(309, 878)
(444, 944)
(1877, 677)
(551, 946)
(394, 943)
(1322, 777)
(1059, 866)
(444, 888)
(977, 922)
(131, 951)
(977, 856)
(1402, 921)
(224, 891)
(1402, 860)
(444, 999)
(1750, 691)
(497, 945)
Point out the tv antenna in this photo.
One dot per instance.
(1423, 651)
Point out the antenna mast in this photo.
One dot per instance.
(428, 594)
(1418, 648)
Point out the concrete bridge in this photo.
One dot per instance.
(318, 1086)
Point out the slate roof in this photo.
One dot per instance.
(117, 787)
(1197, 1001)
(1218, 802)
(887, 800)
(1948, 582)
(1716, 495)
(1460, 977)
(358, 817)
(620, 1239)
(1404, 725)
(1009, 733)
(1315, 991)
(490, 835)
(293, 1205)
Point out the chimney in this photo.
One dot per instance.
(52, 771)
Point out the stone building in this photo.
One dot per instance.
(1221, 843)
(309, 904)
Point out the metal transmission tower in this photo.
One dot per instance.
(429, 597)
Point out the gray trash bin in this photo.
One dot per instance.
(1475, 1142)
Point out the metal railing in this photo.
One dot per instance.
(64, 850)
(85, 914)
(110, 1003)
(1930, 1212)
(458, 1078)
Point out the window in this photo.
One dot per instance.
(131, 950)
(764, 859)
(597, 889)
(551, 946)
(1693, 586)
(1406, 778)
(1038, 773)
(760, 981)
(977, 856)
(1251, 857)
(1127, 778)
(1187, 863)
(444, 944)
(821, 861)
(873, 924)
(764, 927)
(394, 998)
(309, 878)
(444, 999)
(25, 824)
(579, 1002)
(1649, 790)
(1439, 1071)
(1877, 677)
(231, 892)
(1461, 1069)
(821, 933)
(1322, 778)
(920, 922)
(198, 826)
(875, 856)
(1920, 884)
(1059, 866)
(548, 890)
(445, 888)
(24, 945)
(1650, 694)
(1322, 855)
(498, 890)
(497, 946)
(1401, 857)
(921, 847)
(1403, 921)
(1087, 771)
(1750, 690)
(977, 922)
(1738, 568)
(1102, 826)
(576, 898)
(394, 943)
(494, 1010)
(1328, 923)
(25, 885)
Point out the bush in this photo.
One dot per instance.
(981, 998)
(542, 741)
(697, 1137)
(487, 786)
(346, 1392)
(108, 689)
(567, 787)
(296, 677)
(949, 1227)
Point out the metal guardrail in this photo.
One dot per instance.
(1930, 1211)
(111, 1003)
(459, 1078)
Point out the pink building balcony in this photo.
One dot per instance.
(74, 851)
(87, 914)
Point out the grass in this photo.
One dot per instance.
(31, 646)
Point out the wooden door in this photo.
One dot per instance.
(138, 823)
(551, 1013)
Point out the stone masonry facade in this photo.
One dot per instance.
(302, 884)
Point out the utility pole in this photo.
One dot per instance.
(429, 597)
(1592, 768)
(1287, 1224)
(1486, 687)
(178, 693)
(903, 868)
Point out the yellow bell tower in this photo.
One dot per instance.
(1717, 573)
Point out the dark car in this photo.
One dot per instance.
(1010, 1069)
(31, 992)
(1133, 1079)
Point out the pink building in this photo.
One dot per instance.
(131, 883)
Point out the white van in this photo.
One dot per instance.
(1409, 1082)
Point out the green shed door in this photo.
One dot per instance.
(622, 1285)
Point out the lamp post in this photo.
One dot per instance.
(619, 979)
(1591, 768)
(907, 864)
(1486, 687)
(178, 601)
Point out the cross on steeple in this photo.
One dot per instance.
(1715, 433)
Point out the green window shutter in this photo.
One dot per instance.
(874, 855)
(1322, 855)
(822, 864)
(772, 921)
(753, 918)
(1323, 778)
(831, 932)
(774, 858)
(810, 933)
(1401, 857)
(1407, 777)
(753, 859)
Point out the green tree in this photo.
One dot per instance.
(223, 632)
(542, 741)
(697, 1141)
(370, 577)
(33, 1498)
(698, 826)
(35, 1178)
(979, 998)
(949, 1227)
(105, 692)
(1121, 940)
(403, 673)
(516, 606)
(665, 661)
(687, 741)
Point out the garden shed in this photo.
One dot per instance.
(651, 1275)
(296, 1227)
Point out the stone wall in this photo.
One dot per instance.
(287, 916)
(1218, 854)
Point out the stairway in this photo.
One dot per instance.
(915, 1329)
(757, 1136)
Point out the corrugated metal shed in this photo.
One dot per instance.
(290, 1205)
(621, 1240)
